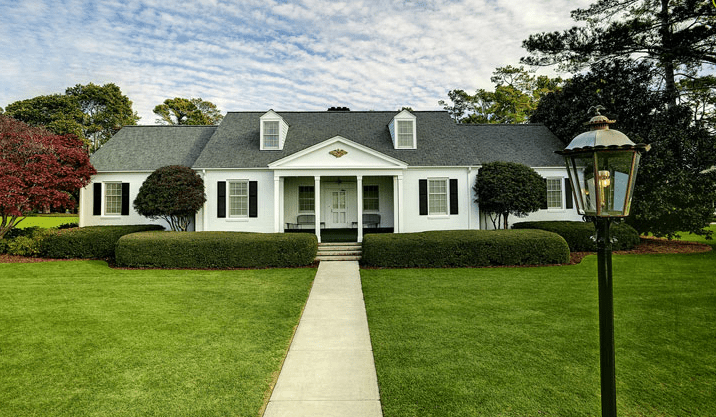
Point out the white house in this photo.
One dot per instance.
(279, 171)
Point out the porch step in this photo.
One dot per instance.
(339, 251)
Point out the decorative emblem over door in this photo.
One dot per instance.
(338, 152)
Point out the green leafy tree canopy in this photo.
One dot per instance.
(91, 112)
(105, 110)
(504, 188)
(517, 92)
(60, 114)
(173, 193)
(182, 111)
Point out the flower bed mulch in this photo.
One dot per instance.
(652, 245)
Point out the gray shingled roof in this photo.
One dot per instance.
(235, 142)
(529, 144)
(140, 148)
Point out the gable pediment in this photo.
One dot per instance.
(338, 153)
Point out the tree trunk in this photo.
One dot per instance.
(666, 57)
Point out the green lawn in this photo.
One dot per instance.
(47, 221)
(78, 339)
(525, 341)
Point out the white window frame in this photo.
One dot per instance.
(275, 135)
(551, 181)
(376, 198)
(304, 210)
(233, 199)
(432, 195)
(117, 195)
(403, 136)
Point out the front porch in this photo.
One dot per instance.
(344, 208)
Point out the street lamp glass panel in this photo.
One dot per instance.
(614, 183)
(581, 173)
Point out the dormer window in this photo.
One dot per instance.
(402, 131)
(273, 131)
(271, 135)
(405, 134)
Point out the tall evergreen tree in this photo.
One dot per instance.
(673, 34)
(674, 190)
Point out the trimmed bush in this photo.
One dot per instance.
(91, 242)
(464, 248)
(27, 244)
(216, 250)
(580, 236)
(15, 233)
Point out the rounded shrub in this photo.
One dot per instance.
(464, 248)
(216, 250)
(580, 236)
(91, 242)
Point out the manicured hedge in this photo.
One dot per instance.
(91, 242)
(580, 235)
(216, 250)
(464, 248)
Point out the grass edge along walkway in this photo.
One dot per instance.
(524, 341)
(78, 338)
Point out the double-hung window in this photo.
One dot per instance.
(271, 132)
(405, 133)
(554, 193)
(306, 199)
(371, 198)
(437, 196)
(113, 198)
(238, 199)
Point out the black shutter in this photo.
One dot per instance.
(423, 191)
(97, 202)
(453, 196)
(544, 200)
(568, 193)
(253, 199)
(125, 199)
(221, 199)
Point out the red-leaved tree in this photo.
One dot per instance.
(38, 169)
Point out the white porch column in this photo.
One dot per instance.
(278, 203)
(398, 211)
(317, 205)
(359, 193)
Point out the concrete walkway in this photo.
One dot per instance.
(329, 370)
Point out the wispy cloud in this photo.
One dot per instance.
(256, 55)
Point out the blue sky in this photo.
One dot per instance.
(265, 54)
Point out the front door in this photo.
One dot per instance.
(338, 209)
(340, 202)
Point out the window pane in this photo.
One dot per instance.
(405, 134)
(270, 134)
(113, 198)
(371, 198)
(238, 199)
(554, 193)
(306, 198)
(437, 197)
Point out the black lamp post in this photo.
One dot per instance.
(602, 166)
